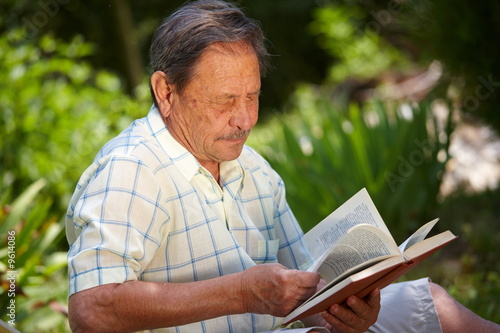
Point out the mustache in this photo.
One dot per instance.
(235, 135)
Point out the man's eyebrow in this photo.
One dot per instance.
(253, 93)
(257, 92)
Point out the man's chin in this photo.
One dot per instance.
(231, 154)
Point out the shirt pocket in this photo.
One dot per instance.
(267, 251)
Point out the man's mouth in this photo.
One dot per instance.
(235, 135)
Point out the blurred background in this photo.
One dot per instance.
(401, 97)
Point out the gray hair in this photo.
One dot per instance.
(181, 39)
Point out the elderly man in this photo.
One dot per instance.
(177, 226)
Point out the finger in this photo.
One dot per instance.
(306, 293)
(367, 308)
(306, 279)
(373, 299)
(342, 320)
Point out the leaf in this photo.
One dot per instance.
(20, 205)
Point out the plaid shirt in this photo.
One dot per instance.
(147, 210)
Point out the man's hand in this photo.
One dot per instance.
(356, 315)
(274, 289)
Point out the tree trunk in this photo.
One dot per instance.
(131, 57)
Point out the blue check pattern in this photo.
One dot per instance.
(147, 210)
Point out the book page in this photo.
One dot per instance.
(428, 244)
(359, 209)
(418, 235)
(360, 244)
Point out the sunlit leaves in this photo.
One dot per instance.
(358, 51)
(56, 111)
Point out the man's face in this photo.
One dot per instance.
(213, 116)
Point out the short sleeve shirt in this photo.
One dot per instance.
(147, 210)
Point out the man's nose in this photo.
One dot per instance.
(243, 116)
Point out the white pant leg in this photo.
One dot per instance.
(407, 307)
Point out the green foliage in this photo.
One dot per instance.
(357, 51)
(55, 112)
(325, 156)
(32, 270)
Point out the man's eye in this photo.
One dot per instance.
(222, 103)
(252, 98)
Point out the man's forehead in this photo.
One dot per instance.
(227, 60)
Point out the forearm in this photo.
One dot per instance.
(139, 305)
(136, 305)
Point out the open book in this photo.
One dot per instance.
(355, 253)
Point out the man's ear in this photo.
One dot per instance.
(162, 89)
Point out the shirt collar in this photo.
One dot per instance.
(180, 156)
(187, 164)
